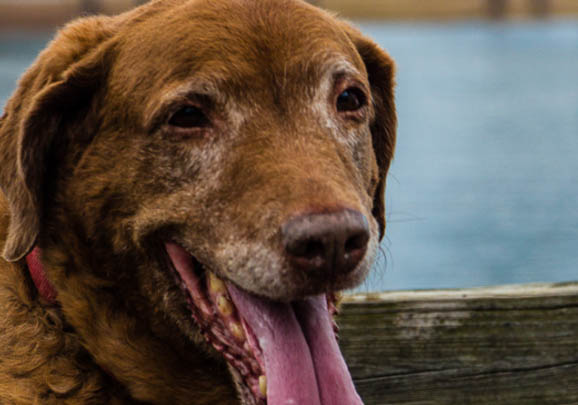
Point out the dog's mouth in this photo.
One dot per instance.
(283, 353)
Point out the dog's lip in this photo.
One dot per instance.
(286, 351)
(219, 322)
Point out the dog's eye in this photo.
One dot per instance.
(352, 99)
(189, 117)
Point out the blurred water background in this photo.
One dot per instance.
(484, 187)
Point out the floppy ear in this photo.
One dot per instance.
(59, 83)
(381, 70)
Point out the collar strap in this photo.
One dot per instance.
(45, 288)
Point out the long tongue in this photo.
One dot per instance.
(333, 378)
(303, 363)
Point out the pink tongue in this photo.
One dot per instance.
(335, 383)
(302, 359)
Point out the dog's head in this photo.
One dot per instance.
(217, 169)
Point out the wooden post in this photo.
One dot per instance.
(492, 346)
(540, 8)
(497, 8)
(90, 6)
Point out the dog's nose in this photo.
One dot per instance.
(333, 242)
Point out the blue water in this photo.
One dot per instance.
(484, 187)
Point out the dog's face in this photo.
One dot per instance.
(222, 164)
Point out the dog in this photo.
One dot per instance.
(186, 188)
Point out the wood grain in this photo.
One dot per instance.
(504, 345)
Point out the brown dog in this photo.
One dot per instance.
(199, 177)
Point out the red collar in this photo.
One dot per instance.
(43, 285)
(45, 288)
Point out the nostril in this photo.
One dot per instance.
(307, 248)
(356, 241)
(307, 253)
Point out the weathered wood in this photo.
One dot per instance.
(504, 345)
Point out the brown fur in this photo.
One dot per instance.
(91, 174)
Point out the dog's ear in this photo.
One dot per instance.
(381, 70)
(59, 83)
